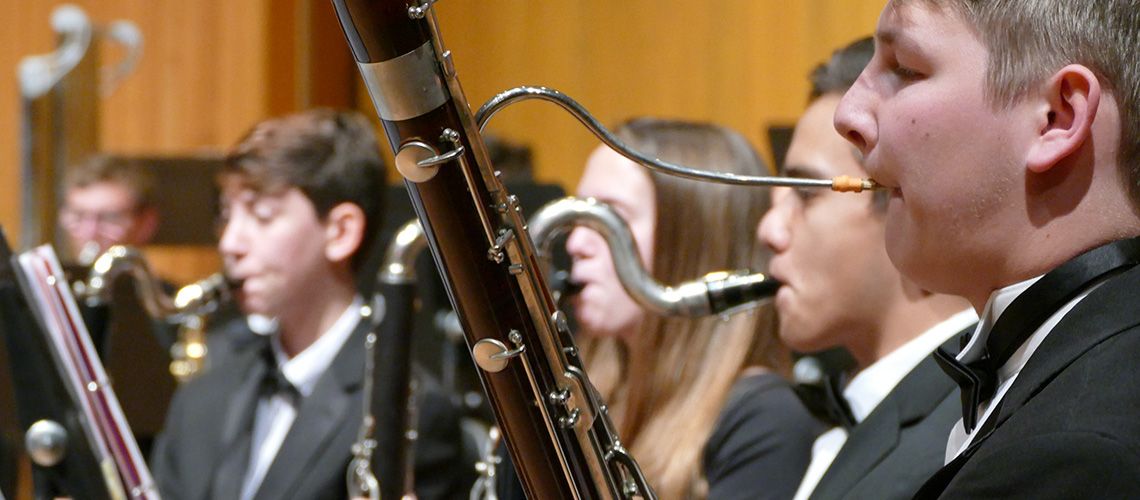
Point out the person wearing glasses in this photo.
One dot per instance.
(107, 201)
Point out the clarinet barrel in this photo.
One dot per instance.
(555, 427)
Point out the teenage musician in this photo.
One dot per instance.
(1008, 134)
(300, 203)
(840, 289)
(701, 403)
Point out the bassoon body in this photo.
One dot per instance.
(555, 427)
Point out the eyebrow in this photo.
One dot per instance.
(803, 172)
(888, 36)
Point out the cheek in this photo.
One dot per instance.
(292, 250)
(643, 237)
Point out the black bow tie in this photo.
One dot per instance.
(835, 405)
(978, 379)
(274, 382)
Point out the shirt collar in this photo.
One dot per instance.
(997, 304)
(304, 369)
(871, 385)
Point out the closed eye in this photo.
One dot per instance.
(906, 74)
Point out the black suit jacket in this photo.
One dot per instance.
(208, 413)
(1069, 426)
(902, 442)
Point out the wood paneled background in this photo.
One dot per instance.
(211, 68)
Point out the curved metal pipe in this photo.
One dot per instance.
(495, 104)
(400, 257)
(194, 299)
(129, 36)
(39, 73)
(715, 293)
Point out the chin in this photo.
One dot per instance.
(250, 306)
(797, 338)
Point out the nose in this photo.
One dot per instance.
(86, 229)
(232, 243)
(582, 243)
(773, 229)
(855, 116)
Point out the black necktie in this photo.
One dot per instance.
(836, 406)
(978, 379)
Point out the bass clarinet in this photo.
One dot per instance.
(555, 426)
(383, 460)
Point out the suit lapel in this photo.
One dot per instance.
(869, 442)
(237, 424)
(319, 416)
(1086, 326)
(914, 398)
(1106, 311)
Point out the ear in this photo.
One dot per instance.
(344, 231)
(146, 225)
(1070, 101)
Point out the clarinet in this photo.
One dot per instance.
(555, 425)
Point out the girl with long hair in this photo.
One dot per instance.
(702, 403)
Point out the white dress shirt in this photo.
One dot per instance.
(275, 414)
(871, 385)
(998, 302)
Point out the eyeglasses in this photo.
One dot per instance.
(71, 218)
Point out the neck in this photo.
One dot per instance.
(904, 322)
(1074, 207)
(1045, 251)
(303, 325)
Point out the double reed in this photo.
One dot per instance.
(558, 433)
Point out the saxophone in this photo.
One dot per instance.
(187, 309)
(555, 425)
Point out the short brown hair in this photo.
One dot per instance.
(331, 156)
(1028, 40)
(98, 168)
(840, 71)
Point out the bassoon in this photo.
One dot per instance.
(556, 429)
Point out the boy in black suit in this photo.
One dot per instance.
(300, 203)
(1008, 135)
(840, 289)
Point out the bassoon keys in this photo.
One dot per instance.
(561, 440)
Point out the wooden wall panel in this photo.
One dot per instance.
(741, 63)
(211, 68)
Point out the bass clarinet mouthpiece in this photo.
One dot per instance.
(729, 291)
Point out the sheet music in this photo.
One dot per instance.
(50, 297)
